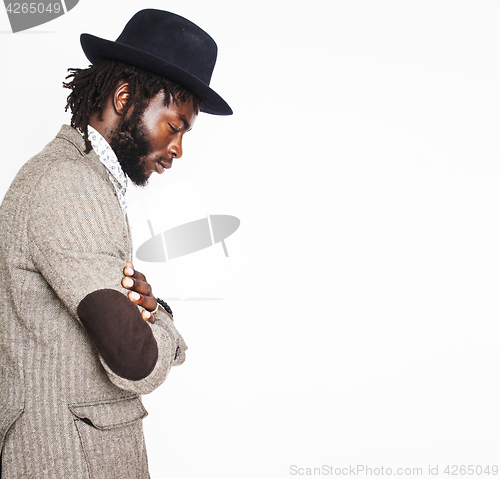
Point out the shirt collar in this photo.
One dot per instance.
(107, 157)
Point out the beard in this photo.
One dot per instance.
(131, 146)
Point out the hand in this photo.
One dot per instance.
(140, 292)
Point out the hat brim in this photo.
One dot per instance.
(96, 48)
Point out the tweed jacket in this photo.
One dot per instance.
(75, 353)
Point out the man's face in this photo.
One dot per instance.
(155, 140)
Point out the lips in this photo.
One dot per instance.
(161, 166)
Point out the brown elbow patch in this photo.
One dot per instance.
(122, 337)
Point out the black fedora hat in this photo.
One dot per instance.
(168, 45)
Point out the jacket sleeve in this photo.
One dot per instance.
(77, 240)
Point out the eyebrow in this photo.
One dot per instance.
(187, 125)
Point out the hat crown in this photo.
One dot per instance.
(174, 39)
(170, 46)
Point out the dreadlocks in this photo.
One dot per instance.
(92, 86)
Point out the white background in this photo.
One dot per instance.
(360, 321)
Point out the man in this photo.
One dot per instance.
(81, 333)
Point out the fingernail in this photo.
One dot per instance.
(128, 282)
(135, 296)
(147, 314)
(129, 271)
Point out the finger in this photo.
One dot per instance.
(131, 272)
(147, 302)
(128, 271)
(138, 275)
(138, 286)
(128, 282)
(147, 316)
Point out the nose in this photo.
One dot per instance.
(175, 147)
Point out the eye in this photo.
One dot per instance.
(173, 130)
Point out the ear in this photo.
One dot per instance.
(121, 97)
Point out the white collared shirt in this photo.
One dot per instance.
(113, 167)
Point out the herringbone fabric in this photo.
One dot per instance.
(63, 412)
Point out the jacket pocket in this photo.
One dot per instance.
(112, 438)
